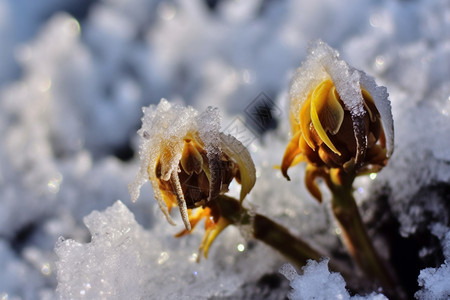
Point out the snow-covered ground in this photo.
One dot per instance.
(74, 76)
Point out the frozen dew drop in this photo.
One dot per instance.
(163, 257)
(193, 257)
(240, 247)
(54, 183)
(337, 231)
(373, 176)
(290, 212)
(380, 63)
(82, 292)
(46, 270)
(45, 84)
(253, 148)
(247, 76)
(167, 11)
(72, 27)
(375, 20)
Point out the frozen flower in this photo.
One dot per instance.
(340, 119)
(190, 163)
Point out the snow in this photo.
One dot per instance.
(317, 282)
(76, 74)
(434, 281)
(123, 260)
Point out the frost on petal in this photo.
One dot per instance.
(162, 137)
(166, 133)
(380, 97)
(247, 172)
(322, 64)
(209, 127)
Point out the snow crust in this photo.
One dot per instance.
(434, 281)
(317, 282)
(123, 260)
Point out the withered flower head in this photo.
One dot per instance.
(190, 163)
(339, 117)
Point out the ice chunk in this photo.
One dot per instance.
(101, 268)
(317, 282)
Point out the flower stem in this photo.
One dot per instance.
(269, 232)
(279, 238)
(355, 235)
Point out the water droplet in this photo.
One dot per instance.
(54, 183)
(373, 176)
(163, 257)
(72, 26)
(193, 257)
(45, 84)
(46, 270)
(240, 247)
(167, 11)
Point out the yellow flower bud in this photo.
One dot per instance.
(190, 163)
(339, 117)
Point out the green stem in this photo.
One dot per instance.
(357, 240)
(269, 232)
(279, 238)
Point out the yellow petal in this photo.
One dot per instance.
(162, 191)
(311, 174)
(326, 111)
(290, 154)
(200, 213)
(239, 154)
(305, 121)
(369, 105)
(191, 159)
(211, 234)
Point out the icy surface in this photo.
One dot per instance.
(75, 75)
(317, 282)
(123, 260)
